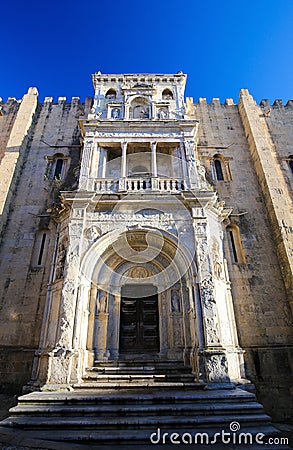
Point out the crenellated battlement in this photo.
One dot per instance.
(278, 103)
(62, 100)
(215, 101)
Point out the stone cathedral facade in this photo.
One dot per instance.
(142, 226)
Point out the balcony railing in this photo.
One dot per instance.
(107, 185)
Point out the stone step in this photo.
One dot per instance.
(112, 417)
(140, 396)
(130, 422)
(138, 409)
(138, 367)
(131, 377)
(135, 384)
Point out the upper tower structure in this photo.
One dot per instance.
(139, 96)
(153, 138)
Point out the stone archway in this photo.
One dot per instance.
(170, 336)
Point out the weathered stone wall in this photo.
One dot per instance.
(24, 277)
(279, 120)
(260, 298)
(8, 111)
(260, 289)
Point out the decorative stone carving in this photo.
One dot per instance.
(163, 113)
(206, 288)
(217, 263)
(75, 229)
(93, 233)
(175, 301)
(85, 165)
(61, 258)
(139, 272)
(217, 269)
(216, 368)
(202, 177)
(102, 302)
(116, 113)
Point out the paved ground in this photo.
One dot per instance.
(15, 439)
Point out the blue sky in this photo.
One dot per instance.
(222, 45)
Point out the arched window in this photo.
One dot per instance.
(290, 162)
(220, 168)
(111, 93)
(235, 245)
(58, 169)
(219, 171)
(167, 94)
(56, 166)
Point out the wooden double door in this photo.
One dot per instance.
(139, 325)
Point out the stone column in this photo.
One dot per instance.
(85, 164)
(212, 358)
(81, 330)
(61, 358)
(186, 323)
(124, 160)
(154, 159)
(94, 165)
(191, 163)
(101, 327)
(183, 162)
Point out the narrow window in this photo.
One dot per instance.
(41, 252)
(219, 171)
(233, 246)
(58, 168)
(290, 162)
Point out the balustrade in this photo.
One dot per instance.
(107, 185)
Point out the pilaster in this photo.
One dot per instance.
(273, 186)
(15, 152)
(213, 364)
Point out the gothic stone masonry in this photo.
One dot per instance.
(142, 224)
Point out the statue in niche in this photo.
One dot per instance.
(102, 302)
(115, 113)
(140, 112)
(60, 264)
(202, 176)
(163, 114)
(217, 267)
(175, 301)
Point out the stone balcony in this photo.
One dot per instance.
(139, 184)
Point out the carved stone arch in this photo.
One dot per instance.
(111, 94)
(167, 94)
(220, 168)
(101, 261)
(140, 108)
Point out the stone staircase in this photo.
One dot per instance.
(124, 403)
